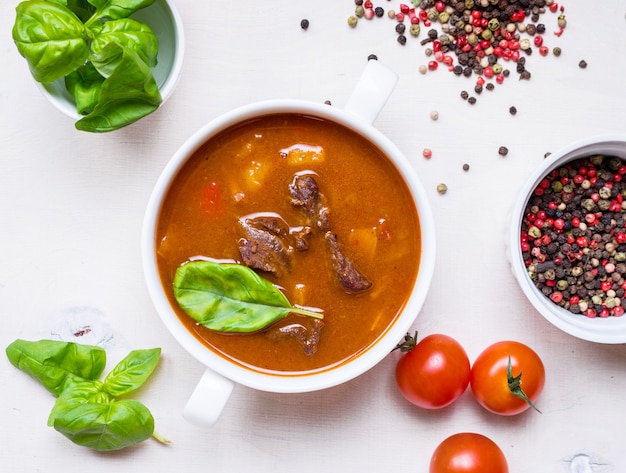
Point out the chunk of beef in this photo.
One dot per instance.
(307, 336)
(265, 246)
(352, 281)
(301, 237)
(305, 193)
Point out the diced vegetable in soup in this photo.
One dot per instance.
(305, 208)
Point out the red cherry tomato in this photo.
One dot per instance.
(507, 378)
(468, 453)
(434, 372)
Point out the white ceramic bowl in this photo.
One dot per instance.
(214, 388)
(165, 21)
(602, 330)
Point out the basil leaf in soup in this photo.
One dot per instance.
(230, 297)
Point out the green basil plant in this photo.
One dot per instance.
(104, 57)
(90, 412)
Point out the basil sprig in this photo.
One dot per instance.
(104, 57)
(87, 411)
(230, 297)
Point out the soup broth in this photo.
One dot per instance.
(246, 172)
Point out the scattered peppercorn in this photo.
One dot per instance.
(556, 51)
(372, 57)
(352, 21)
(442, 188)
(464, 94)
(503, 151)
(434, 115)
(427, 153)
(582, 64)
(482, 34)
(466, 167)
(513, 110)
(304, 24)
(471, 100)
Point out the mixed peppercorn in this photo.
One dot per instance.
(474, 37)
(573, 236)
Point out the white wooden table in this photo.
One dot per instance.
(71, 208)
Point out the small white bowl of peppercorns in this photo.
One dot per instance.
(567, 239)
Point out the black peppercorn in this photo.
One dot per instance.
(304, 24)
(503, 151)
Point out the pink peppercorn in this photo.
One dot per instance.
(606, 285)
(556, 297)
(618, 311)
(591, 313)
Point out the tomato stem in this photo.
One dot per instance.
(408, 343)
(515, 385)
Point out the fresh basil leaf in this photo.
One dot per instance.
(132, 371)
(81, 8)
(230, 297)
(116, 9)
(54, 363)
(77, 393)
(52, 39)
(84, 84)
(130, 34)
(111, 426)
(129, 93)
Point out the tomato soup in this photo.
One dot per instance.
(366, 218)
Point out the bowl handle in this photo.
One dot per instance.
(372, 91)
(208, 399)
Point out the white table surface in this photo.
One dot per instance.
(71, 208)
